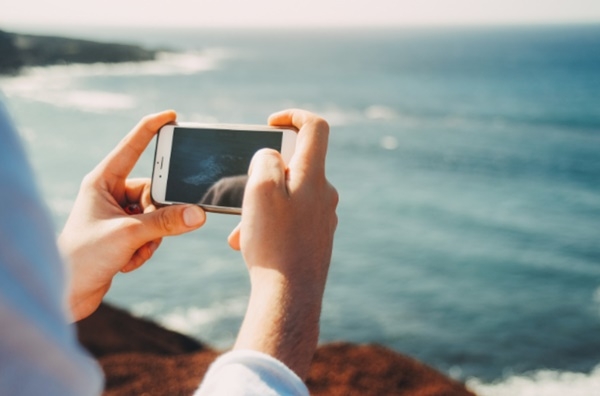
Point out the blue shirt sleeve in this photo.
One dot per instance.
(39, 351)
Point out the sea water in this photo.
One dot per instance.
(467, 163)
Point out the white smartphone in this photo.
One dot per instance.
(207, 164)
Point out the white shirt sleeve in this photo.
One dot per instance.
(250, 373)
(39, 351)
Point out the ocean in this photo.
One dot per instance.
(467, 162)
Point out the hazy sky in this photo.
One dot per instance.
(270, 13)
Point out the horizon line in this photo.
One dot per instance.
(501, 24)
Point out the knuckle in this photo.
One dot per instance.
(320, 124)
(165, 221)
(269, 156)
(145, 253)
(146, 119)
(129, 228)
(334, 199)
(334, 221)
(135, 262)
(301, 118)
(334, 196)
(264, 157)
(262, 186)
(88, 180)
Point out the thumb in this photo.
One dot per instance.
(234, 238)
(266, 180)
(266, 184)
(266, 165)
(171, 220)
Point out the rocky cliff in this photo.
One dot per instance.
(139, 357)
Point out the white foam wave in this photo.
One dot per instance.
(337, 116)
(192, 320)
(389, 142)
(166, 63)
(334, 115)
(57, 90)
(57, 85)
(90, 101)
(542, 383)
(378, 112)
(146, 308)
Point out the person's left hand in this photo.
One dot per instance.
(101, 238)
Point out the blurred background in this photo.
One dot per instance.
(465, 146)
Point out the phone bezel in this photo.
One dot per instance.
(162, 157)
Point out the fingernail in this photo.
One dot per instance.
(193, 216)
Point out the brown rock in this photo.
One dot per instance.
(347, 369)
(112, 330)
(141, 358)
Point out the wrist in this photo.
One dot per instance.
(84, 291)
(290, 304)
(282, 320)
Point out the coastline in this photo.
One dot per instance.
(24, 50)
(139, 356)
(483, 332)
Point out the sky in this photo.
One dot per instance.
(294, 13)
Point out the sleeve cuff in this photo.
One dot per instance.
(247, 372)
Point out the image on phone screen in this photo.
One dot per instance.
(210, 167)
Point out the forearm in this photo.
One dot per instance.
(282, 322)
(286, 238)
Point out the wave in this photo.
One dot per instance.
(166, 63)
(57, 85)
(86, 100)
(196, 321)
(193, 321)
(378, 113)
(541, 383)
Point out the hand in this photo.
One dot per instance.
(100, 238)
(286, 238)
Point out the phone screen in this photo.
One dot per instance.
(210, 166)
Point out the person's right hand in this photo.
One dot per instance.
(286, 238)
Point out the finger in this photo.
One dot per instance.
(141, 255)
(122, 159)
(135, 189)
(234, 238)
(147, 204)
(311, 144)
(266, 167)
(170, 220)
(266, 187)
(146, 200)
